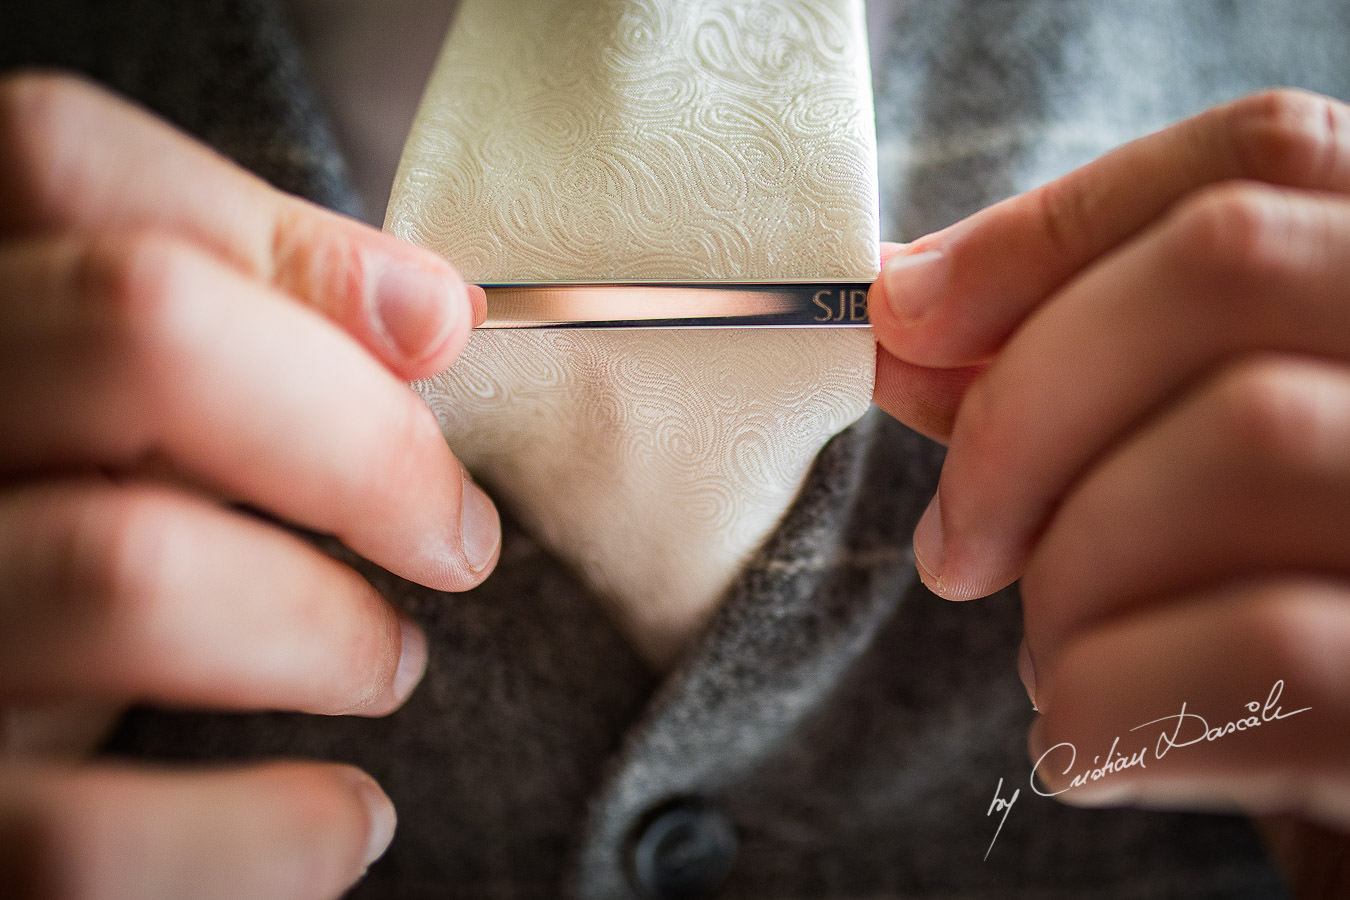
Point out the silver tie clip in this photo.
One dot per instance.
(667, 304)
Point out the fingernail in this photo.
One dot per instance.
(414, 309)
(478, 300)
(380, 810)
(1027, 672)
(914, 284)
(928, 543)
(412, 660)
(479, 527)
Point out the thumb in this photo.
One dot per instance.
(925, 398)
(76, 158)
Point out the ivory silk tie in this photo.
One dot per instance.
(721, 140)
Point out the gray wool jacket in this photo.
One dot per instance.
(836, 731)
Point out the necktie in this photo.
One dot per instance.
(612, 140)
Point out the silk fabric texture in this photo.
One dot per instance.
(721, 140)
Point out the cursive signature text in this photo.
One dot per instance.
(1181, 729)
(1003, 806)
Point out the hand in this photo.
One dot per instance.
(1142, 371)
(178, 336)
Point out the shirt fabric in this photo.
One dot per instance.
(847, 726)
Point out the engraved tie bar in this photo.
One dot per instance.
(677, 305)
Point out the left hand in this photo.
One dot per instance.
(1142, 371)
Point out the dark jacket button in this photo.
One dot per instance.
(683, 850)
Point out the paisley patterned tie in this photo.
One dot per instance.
(649, 140)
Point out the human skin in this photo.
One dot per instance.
(180, 339)
(1142, 375)
(1137, 370)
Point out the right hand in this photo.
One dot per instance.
(176, 337)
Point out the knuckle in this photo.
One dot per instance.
(1302, 636)
(1066, 215)
(130, 275)
(317, 263)
(138, 282)
(116, 560)
(1288, 136)
(1275, 412)
(1233, 238)
(42, 142)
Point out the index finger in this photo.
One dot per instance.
(952, 298)
(123, 351)
(286, 830)
(74, 158)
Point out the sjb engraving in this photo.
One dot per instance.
(844, 304)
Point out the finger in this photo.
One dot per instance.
(1204, 695)
(1237, 269)
(955, 296)
(141, 347)
(129, 593)
(75, 158)
(1248, 474)
(290, 831)
(925, 399)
